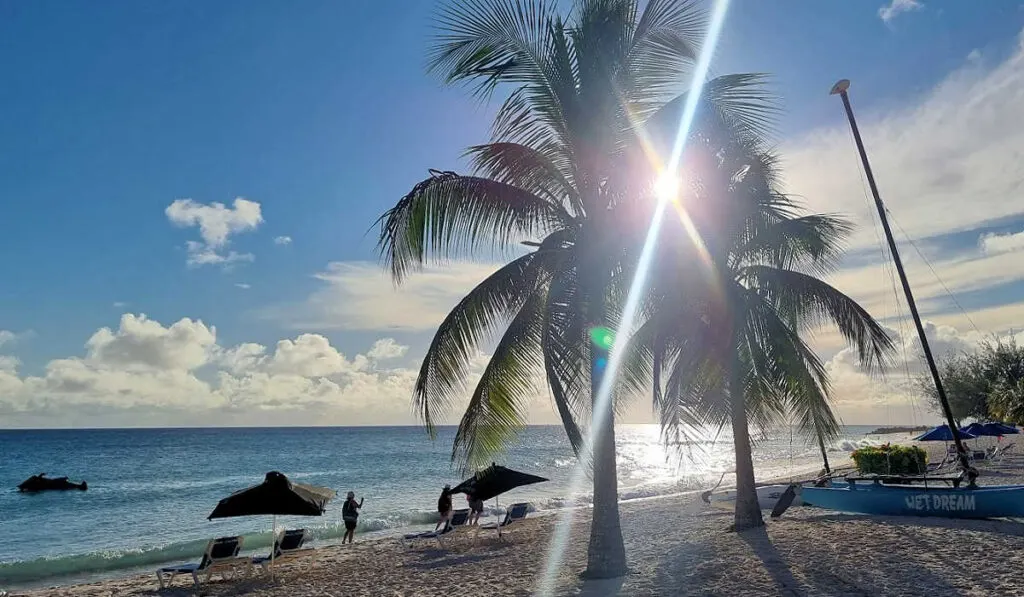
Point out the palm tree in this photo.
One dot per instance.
(731, 300)
(562, 175)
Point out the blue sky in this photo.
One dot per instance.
(321, 113)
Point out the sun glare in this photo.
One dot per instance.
(666, 187)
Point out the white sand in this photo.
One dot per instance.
(676, 546)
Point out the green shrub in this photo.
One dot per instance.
(891, 460)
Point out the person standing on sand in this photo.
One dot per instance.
(444, 506)
(476, 508)
(350, 514)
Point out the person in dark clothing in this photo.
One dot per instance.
(350, 514)
(476, 508)
(444, 506)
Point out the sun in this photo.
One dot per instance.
(666, 187)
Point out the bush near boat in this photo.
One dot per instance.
(890, 460)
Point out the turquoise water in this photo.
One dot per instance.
(150, 490)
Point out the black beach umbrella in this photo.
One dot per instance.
(494, 481)
(275, 495)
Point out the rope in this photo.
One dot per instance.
(932, 269)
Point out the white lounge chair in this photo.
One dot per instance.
(221, 557)
(287, 548)
(514, 513)
(457, 521)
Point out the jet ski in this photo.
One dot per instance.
(41, 482)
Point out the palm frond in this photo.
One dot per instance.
(807, 301)
(813, 241)
(799, 374)
(490, 304)
(664, 45)
(499, 406)
(734, 108)
(543, 171)
(449, 215)
(566, 356)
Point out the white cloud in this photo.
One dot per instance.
(282, 240)
(951, 160)
(1002, 243)
(243, 286)
(9, 364)
(898, 7)
(360, 296)
(140, 342)
(386, 348)
(119, 304)
(7, 337)
(148, 373)
(893, 396)
(216, 223)
(145, 365)
(200, 255)
(974, 55)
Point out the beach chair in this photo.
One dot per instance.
(287, 548)
(455, 524)
(514, 513)
(221, 557)
(1000, 451)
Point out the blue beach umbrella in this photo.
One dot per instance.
(989, 429)
(942, 433)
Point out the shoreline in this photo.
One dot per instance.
(675, 546)
(93, 578)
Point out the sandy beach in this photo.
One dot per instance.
(676, 546)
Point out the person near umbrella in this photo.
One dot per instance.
(350, 514)
(444, 506)
(476, 508)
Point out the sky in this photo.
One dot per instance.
(189, 189)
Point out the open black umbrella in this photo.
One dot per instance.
(494, 481)
(275, 495)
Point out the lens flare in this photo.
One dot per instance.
(666, 187)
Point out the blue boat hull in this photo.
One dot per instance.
(998, 501)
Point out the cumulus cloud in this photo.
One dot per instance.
(1002, 243)
(386, 348)
(7, 337)
(863, 397)
(359, 295)
(145, 372)
(282, 240)
(216, 223)
(140, 342)
(145, 366)
(897, 7)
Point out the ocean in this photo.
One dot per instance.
(150, 490)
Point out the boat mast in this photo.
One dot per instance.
(840, 89)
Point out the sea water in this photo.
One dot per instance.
(150, 490)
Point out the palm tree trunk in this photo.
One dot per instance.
(606, 554)
(748, 512)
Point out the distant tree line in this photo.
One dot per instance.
(987, 384)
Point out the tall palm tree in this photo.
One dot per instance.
(564, 176)
(731, 300)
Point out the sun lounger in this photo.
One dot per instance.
(514, 513)
(1000, 451)
(457, 521)
(221, 557)
(287, 547)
